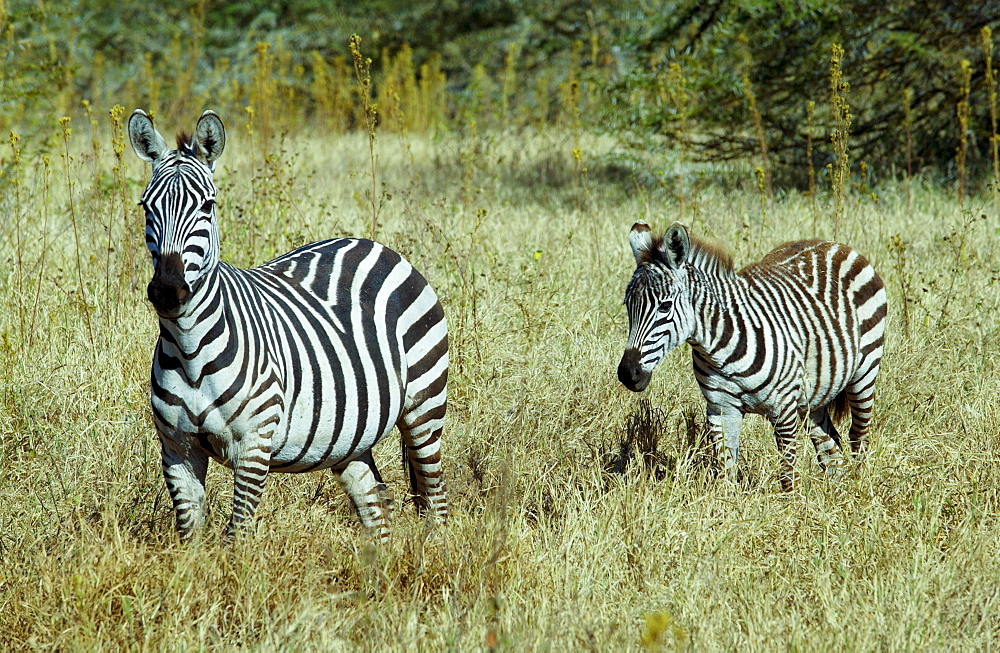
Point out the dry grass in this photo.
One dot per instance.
(544, 550)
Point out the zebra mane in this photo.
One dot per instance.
(710, 256)
(185, 144)
(708, 262)
(705, 255)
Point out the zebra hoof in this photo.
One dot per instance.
(834, 470)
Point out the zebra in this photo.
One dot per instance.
(797, 333)
(303, 363)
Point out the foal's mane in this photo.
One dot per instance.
(704, 254)
(707, 253)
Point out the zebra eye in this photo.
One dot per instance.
(666, 305)
(207, 206)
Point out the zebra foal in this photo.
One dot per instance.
(791, 337)
(303, 363)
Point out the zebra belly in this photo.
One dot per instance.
(828, 367)
(769, 401)
(719, 390)
(308, 439)
(342, 398)
(807, 382)
(334, 439)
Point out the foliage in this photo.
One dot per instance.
(781, 50)
(179, 57)
(720, 80)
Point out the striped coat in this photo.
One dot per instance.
(304, 363)
(788, 337)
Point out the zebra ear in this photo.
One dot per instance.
(641, 240)
(210, 137)
(146, 141)
(676, 245)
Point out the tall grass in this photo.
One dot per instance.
(840, 135)
(362, 71)
(272, 89)
(545, 549)
(986, 37)
(963, 112)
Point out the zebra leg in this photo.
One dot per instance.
(724, 424)
(361, 484)
(861, 399)
(184, 474)
(826, 440)
(786, 426)
(420, 427)
(249, 476)
(383, 490)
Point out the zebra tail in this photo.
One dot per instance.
(839, 408)
(408, 466)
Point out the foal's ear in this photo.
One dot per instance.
(676, 245)
(146, 141)
(210, 137)
(641, 241)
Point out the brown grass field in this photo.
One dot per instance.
(545, 549)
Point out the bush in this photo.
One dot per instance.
(738, 57)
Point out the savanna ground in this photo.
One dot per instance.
(545, 549)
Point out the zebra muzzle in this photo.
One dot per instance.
(168, 291)
(630, 371)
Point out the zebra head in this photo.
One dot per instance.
(658, 301)
(179, 202)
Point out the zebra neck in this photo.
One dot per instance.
(716, 297)
(204, 313)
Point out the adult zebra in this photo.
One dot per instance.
(303, 363)
(794, 334)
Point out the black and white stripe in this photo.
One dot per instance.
(303, 363)
(795, 334)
